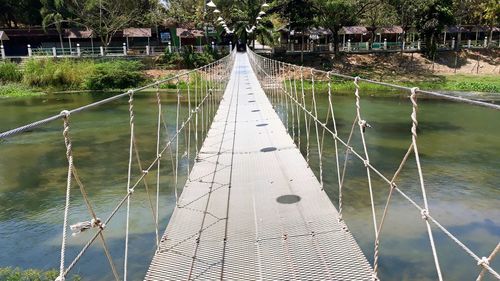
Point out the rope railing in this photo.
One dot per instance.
(202, 92)
(284, 84)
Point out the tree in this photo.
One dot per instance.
(104, 17)
(300, 15)
(384, 14)
(15, 13)
(334, 14)
(52, 13)
(431, 22)
(407, 12)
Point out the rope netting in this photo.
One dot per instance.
(285, 86)
(202, 90)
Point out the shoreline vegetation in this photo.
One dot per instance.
(42, 76)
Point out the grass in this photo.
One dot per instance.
(17, 90)
(460, 82)
(17, 274)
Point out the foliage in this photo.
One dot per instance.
(83, 74)
(431, 21)
(9, 72)
(194, 60)
(16, 90)
(17, 274)
(15, 13)
(115, 75)
(171, 58)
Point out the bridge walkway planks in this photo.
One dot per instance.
(229, 223)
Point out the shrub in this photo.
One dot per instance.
(9, 72)
(194, 60)
(115, 75)
(172, 58)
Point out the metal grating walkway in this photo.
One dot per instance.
(230, 223)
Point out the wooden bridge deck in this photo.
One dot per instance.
(253, 209)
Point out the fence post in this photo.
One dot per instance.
(453, 43)
(124, 49)
(230, 46)
(213, 46)
(385, 43)
(403, 45)
(54, 52)
(330, 47)
(349, 45)
(78, 50)
(2, 50)
(367, 46)
(169, 47)
(469, 42)
(148, 52)
(30, 53)
(101, 49)
(418, 44)
(485, 44)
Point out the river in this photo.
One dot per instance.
(460, 153)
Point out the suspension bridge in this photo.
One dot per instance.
(251, 207)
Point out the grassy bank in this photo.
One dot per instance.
(471, 83)
(47, 75)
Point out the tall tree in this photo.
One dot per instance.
(300, 15)
(104, 17)
(334, 14)
(18, 13)
(431, 22)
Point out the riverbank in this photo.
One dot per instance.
(72, 76)
(471, 71)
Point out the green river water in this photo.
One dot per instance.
(460, 154)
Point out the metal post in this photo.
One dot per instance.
(101, 49)
(78, 51)
(2, 51)
(124, 49)
(30, 53)
(385, 43)
(54, 52)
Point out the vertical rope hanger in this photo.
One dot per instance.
(315, 107)
(69, 156)
(129, 176)
(158, 167)
(425, 211)
(176, 176)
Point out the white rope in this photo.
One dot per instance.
(425, 212)
(69, 156)
(158, 168)
(317, 132)
(176, 171)
(129, 176)
(391, 182)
